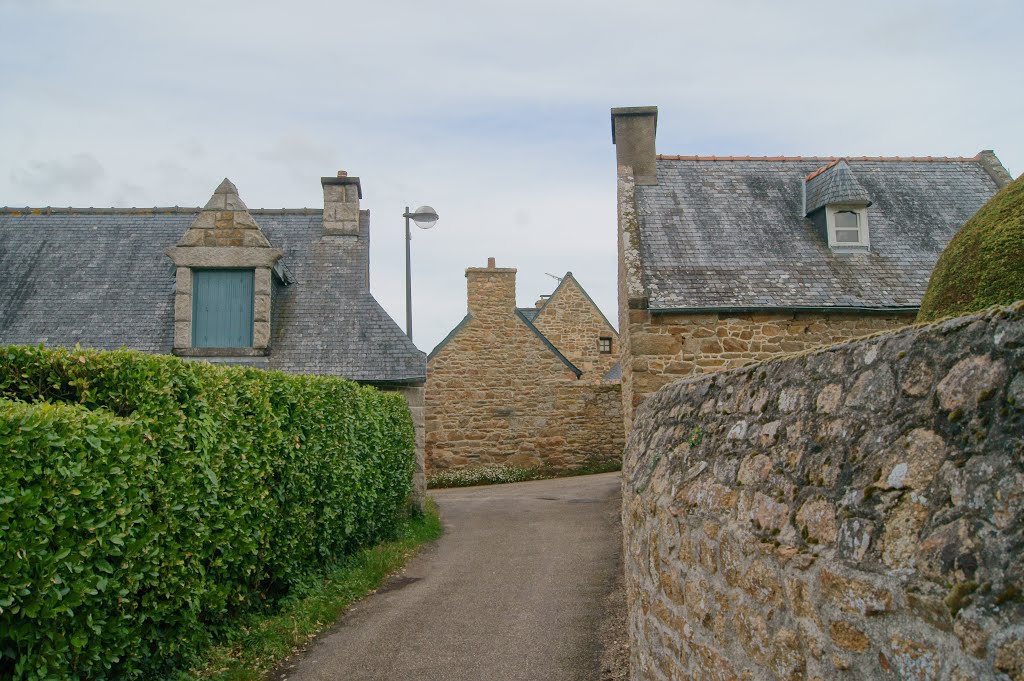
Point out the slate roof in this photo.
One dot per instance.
(614, 374)
(529, 312)
(833, 184)
(731, 233)
(549, 345)
(99, 278)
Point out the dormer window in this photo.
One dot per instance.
(837, 205)
(222, 308)
(223, 282)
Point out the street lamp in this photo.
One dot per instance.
(425, 217)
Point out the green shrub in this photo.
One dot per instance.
(238, 483)
(984, 263)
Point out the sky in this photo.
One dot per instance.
(494, 113)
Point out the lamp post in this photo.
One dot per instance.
(425, 217)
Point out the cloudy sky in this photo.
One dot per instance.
(496, 114)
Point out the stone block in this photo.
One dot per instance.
(183, 280)
(254, 238)
(855, 595)
(262, 281)
(970, 382)
(183, 307)
(182, 334)
(848, 637)
(341, 228)
(341, 212)
(261, 335)
(261, 307)
(817, 521)
(654, 344)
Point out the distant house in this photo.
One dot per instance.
(279, 289)
(524, 386)
(725, 261)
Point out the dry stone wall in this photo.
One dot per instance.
(855, 512)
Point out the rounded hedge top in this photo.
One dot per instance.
(984, 263)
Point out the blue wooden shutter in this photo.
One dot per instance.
(222, 308)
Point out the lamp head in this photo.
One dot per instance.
(425, 217)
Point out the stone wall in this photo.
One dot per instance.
(855, 512)
(414, 397)
(574, 324)
(666, 347)
(497, 392)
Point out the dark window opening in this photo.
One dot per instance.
(605, 345)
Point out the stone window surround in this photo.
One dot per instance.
(862, 224)
(261, 260)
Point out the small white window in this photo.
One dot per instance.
(847, 227)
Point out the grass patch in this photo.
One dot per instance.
(259, 642)
(499, 474)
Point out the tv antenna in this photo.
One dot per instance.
(555, 277)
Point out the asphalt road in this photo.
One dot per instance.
(515, 589)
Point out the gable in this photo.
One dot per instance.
(570, 302)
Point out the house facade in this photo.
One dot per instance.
(283, 289)
(524, 386)
(724, 261)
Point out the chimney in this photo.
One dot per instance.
(341, 204)
(491, 290)
(633, 132)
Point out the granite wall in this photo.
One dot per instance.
(498, 392)
(855, 512)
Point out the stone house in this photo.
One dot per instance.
(283, 289)
(724, 261)
(524, 386)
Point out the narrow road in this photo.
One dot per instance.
(515, 589)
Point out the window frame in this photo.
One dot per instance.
(601, 342)
(864, 241)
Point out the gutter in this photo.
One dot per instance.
(788, 308)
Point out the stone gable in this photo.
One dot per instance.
(575, 325)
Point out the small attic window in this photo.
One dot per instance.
(847, 226)
(604, 344)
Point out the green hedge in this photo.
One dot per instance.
(163, 498)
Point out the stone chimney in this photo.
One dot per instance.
(341, 204)
(491, 290)
(633, 132)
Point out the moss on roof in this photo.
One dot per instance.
(984, 263)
